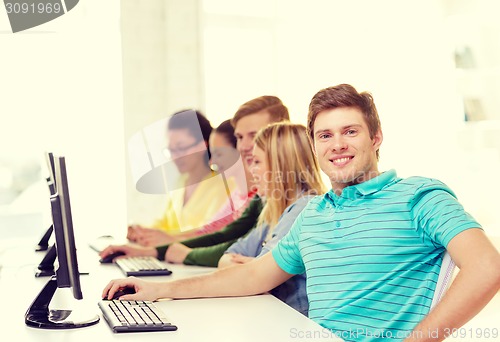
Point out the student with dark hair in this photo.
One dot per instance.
(225, 160)
(224, 157)
(188, 135)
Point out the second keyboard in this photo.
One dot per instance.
(142, 266)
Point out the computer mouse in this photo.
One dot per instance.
(109, 258)
(122, 292)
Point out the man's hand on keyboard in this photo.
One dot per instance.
(144, 290)
(130, 251)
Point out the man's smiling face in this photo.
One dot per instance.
(342, 143)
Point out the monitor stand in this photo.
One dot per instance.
(46, 266)
(40, 316)
(43, 245)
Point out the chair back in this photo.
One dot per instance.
(444, 279)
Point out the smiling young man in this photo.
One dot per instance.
(371, 248)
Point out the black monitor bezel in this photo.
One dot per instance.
(67, 273)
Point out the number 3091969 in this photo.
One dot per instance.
(25, 8)
(472, 333)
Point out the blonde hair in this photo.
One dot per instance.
(293, 168)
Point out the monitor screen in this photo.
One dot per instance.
(67, 275)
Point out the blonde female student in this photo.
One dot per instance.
(287, 176)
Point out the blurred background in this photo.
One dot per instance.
(83, 84)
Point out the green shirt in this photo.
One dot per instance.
(208, 249)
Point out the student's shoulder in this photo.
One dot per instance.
(418, 185)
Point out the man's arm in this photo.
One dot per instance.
(476, 283)
(256, 277)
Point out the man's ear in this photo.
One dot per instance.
(377, 140)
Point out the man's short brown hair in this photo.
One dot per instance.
(271, 104)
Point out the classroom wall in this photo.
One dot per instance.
(61, 91)
(161, 75)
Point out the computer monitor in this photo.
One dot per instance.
(67, 274)
(46, 266)
(43, 244)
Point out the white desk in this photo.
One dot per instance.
(261, 318)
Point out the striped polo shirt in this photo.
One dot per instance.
(372, 255)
